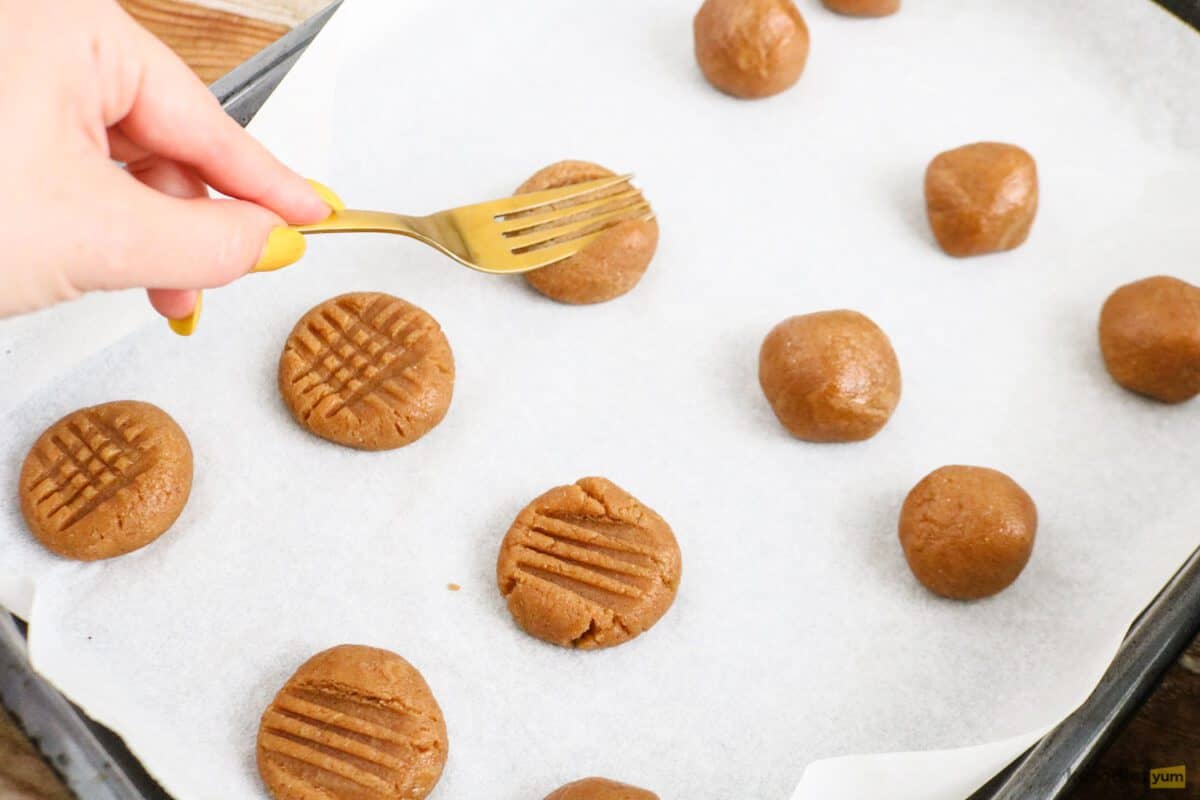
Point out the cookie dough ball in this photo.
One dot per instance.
(106, 480)
(750, 48)
(863, 8)
(353, 722)
(367, 370)
(831, 376)
(967, 532)
(1150, 338)
(606, 268)
(600, 789)
(588, 566)
(981, 198)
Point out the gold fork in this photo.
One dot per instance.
(515, 234)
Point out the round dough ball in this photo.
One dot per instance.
(1150, 338)
(106, 480)
(588, 566)
(981, 198)
(750, 48)
(367, 370)
(967, 532)
(609, 266)
(353, 722)
(864, 8)
(600, 789)
(831, 376)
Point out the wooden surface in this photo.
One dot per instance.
(212, 42)
(23, 775)
(1165, 732)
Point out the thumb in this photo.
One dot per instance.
(144, 238)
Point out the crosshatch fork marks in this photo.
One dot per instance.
(327, 739)
(363, 356)
(91, 459)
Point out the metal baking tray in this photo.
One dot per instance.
(96, 765)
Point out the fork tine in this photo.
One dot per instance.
(545, 256)
(511, 227)
(545, 235)
(527, 202)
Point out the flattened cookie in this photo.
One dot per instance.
(588, 566)
(600, 789)
(106, 480)
(353, 723)
(608, 267)
(367, 370)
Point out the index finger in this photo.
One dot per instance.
(174, 116)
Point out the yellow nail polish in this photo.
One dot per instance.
(328, 195)
(284, 246)
(187, 325)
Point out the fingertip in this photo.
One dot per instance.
(173, 303)
(186, 326)
(329, 196)
(315, 204)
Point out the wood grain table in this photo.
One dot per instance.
(1165, 732)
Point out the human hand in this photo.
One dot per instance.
(82, 85)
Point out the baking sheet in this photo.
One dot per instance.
(798, 638)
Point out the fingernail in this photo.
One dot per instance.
(284, 246)
(187, 325)
(331, 199)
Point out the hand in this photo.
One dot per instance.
(82, 86)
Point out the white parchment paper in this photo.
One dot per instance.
(798, 639)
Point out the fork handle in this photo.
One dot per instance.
(355, 221)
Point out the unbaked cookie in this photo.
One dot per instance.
(353, 723)
(106, 480)
(367, 370)
(981, 198)
(967, 532)
(831, 376)
(1150, 338)
(600, 789)
(863, 8)
(588, 566)
(606, 268)
(750, 48)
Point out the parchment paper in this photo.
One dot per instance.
(798, 634)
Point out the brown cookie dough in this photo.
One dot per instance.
(606, 268)
(600, 789)
(1150, 338)
(588, 566)
(367, 370)
(863, 8)
(831, 376)
(353, 723)
(967, 532)
(750, 48)
(106, 480)
(981, 198)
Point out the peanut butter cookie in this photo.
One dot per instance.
(1150, 338)
(750, 48)
(588, 566)
(967, 532)
(609, 266)
(353, 723)
(981, 198)
(831, 376)
(863, 8)
(600, 789)
(106, 480)
(367, 370)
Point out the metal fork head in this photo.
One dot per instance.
(529, 231)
